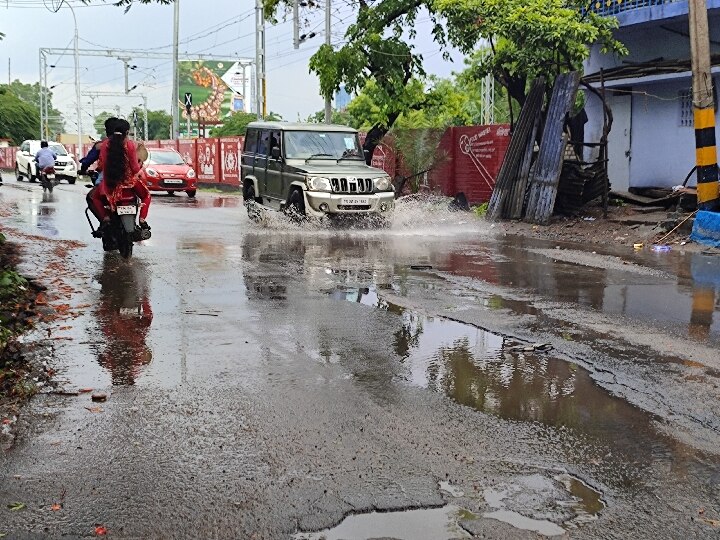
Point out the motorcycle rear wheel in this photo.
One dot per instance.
(125, 245)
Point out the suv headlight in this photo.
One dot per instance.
(383, 184)
(319, 183)
(152, 173)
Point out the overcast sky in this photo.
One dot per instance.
(219, 27)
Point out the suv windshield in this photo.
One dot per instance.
(323, 145)
(59, 149)
(165, 158)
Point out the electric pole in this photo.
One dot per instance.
(176, 83)
(703, 107)
(328, 99)
(260, 97)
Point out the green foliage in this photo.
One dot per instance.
(236, 124)
(420, 150)
(481, 209)
(343, 118)
(528, 38)
(30, 93)
(99, 122)
(159, 124)
(19, 120)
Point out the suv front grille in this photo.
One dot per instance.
(352, 185)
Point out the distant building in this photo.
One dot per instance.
(652, 141)
(342, 99)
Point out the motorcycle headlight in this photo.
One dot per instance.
(383, 184)
(318, 183)
(151, 172)
(191, 173)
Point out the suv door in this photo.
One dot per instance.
(22, 157)
(274, 172)
(249, 156)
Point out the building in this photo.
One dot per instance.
(652, 141)
(342, 99)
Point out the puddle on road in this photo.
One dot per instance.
(494, 374)
(422, 524)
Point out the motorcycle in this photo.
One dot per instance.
(48, 179)
(123, 230)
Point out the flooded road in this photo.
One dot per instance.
(436, 379)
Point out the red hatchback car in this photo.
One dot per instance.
(165, 170)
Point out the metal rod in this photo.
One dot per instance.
(76, 54)
(176, 83)
(42, 87)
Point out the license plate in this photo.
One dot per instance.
(173, 181)
(128, 311)
(355, 201)
(125, 210)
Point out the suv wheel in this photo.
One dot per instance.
(30, 176)
(18, 174)
(295, 207)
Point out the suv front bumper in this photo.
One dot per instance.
(320, 203)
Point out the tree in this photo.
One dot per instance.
(378, 50)
(19, 120)
(343, 118)
(159, 124)
(237, 123)
(30, 93)
(99, 122)
(528, 38)
(421, 153)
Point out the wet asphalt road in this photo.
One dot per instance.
(266, 381)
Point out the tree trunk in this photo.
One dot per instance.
(375, 136)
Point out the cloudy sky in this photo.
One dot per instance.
(219, 27)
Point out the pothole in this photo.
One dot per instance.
(422, 524)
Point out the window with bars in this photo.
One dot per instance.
(686, 108)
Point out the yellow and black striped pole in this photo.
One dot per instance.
(706, 159)
(703, 107)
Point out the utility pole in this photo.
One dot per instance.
(703, 107)
(176, 83)
(328, 23)
(78, 98)
(145, 122)
(260, 96)
(296, 24)
(9, 78)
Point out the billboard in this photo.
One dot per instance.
(218, 89)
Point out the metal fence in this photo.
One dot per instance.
(613, 7)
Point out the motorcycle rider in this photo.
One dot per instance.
(45, 158)
(94, 154)
(120, 165)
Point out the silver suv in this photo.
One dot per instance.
(311, 170)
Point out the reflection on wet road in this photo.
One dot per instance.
(545, 382)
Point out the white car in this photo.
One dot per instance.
(65, 167)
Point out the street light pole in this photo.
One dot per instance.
(328, 23)
(176, 82)
(76, 54)
(260, 97)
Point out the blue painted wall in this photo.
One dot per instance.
(663, 152)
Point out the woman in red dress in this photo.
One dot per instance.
(120, 165)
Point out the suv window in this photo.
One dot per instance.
(333, 144)
(274, 140)
(264, 143)
(25, 147)
(251, 140)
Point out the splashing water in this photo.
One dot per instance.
(414, 215)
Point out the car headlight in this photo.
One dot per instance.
(71, 164)
(191, 173)
(151, 172)
(318, 183)
(383, 184)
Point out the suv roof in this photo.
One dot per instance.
(300, 126)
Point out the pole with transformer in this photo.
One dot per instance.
(703, 107)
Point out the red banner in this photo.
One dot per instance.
(230, 150)
(186, 148)
(208, 160)
(169, 143)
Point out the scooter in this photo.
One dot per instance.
(48, 179)
(123, 230)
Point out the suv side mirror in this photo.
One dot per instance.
(275, 152)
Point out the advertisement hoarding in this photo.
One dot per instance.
(218, 89)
